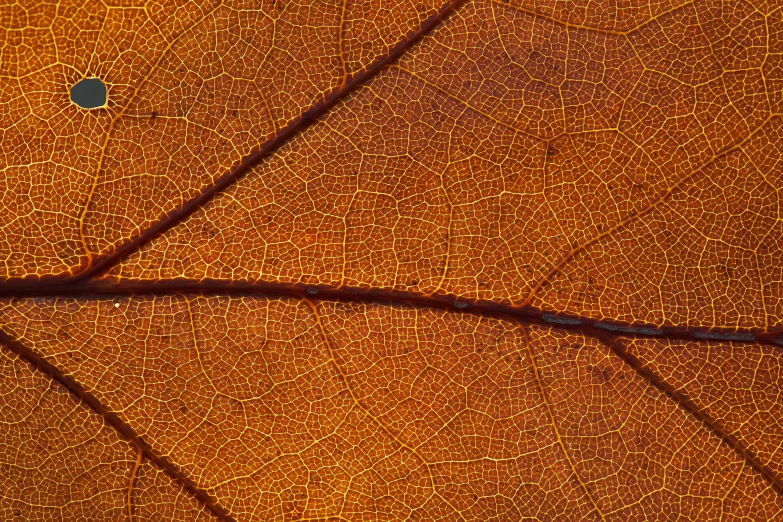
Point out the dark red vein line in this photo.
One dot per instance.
(124, 430)
(686, 403)
(105, 262)
(529, 314)
(101, 264)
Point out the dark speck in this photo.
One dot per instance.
(89, 93)
(725, 336)
(559, 320)
(629, 329)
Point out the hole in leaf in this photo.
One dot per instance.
(89, 93)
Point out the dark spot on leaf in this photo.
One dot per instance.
(559, 320)
(89, 93)
(725, 336)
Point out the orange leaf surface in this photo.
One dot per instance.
(478, 260)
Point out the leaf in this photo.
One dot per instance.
(484, 260)
(60, 461)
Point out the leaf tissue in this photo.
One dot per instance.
(430, 260)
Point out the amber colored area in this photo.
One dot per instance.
(362, 260)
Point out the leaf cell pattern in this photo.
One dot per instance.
(60, 461)
(360, 260)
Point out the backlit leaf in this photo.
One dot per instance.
(485, 260)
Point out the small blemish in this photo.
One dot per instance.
(725, 336)
(89, 93)
(559, 320)
(460, 304)
(629, 329)
(312, 291)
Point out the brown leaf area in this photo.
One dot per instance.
(60, 461)
(361, 260)
(287, 408)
